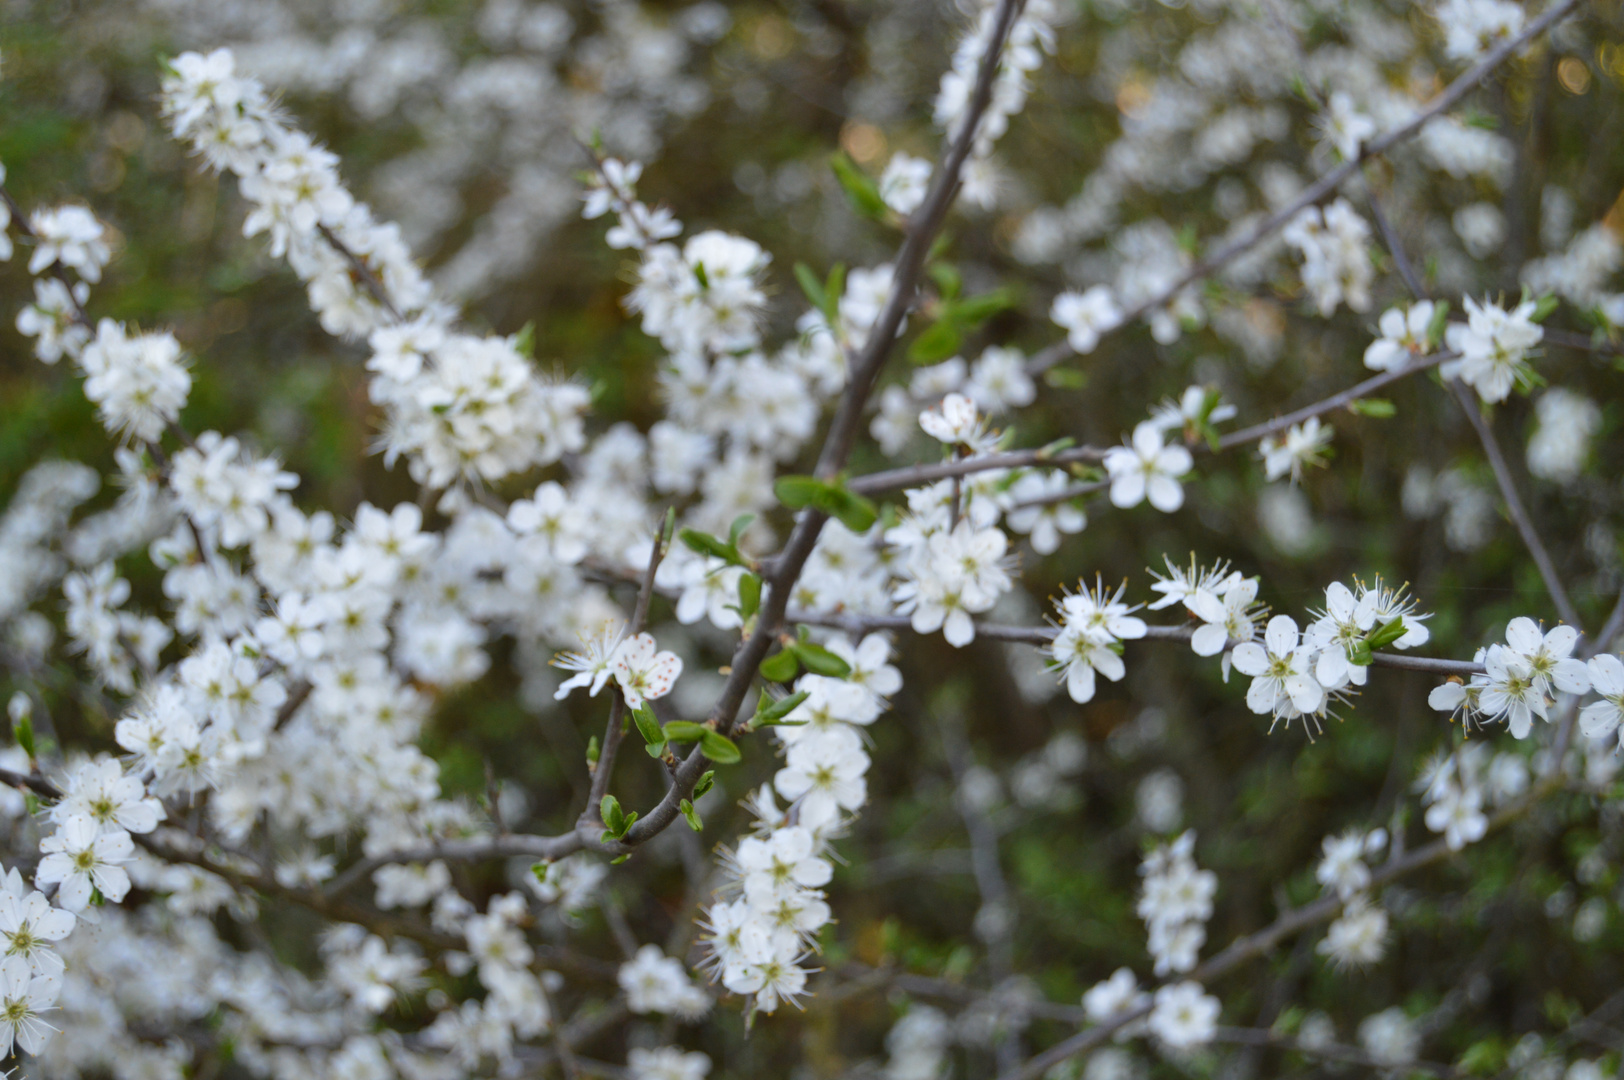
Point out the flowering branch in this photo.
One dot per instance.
(1044, 635)
(1328, 183)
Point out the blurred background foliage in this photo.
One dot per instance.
(1483, 946)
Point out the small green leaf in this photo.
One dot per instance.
(849, 508)
(540, 871)
(834, 288)
(860, 188)
(719, 748)
(736, 530)
(22, 729)
(975, 310)
(811, 286)
(820, 661)
(796, 492)
(780, 666)
(524, 342)
(705, 783)
(749, 595)
(684, 731)
(613, 818)
(939, 341)
(1483, 1058)
(1439, 323)
(770, 712)
(1051, 449)
(1386, 635)
(592, 751)
(948, 280)
(692, 815)
(706, 544)
(618, 859)
(647, 724)
(1379, 408)
(1545, 306)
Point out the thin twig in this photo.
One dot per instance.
(1043, 635)
(1514, 506)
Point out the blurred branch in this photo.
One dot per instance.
(1253, 945)
(1329, 1051)
(915, 475)
(1329, 182)
(1514, 505)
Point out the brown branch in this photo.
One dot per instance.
(922, 228)
(1514, 506)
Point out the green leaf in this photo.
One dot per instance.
(736, 530)
(749, 596)
(647, 724)
(797, 492)
(948, 280)
(592, 751)
(618, 859)
(939, 341)
(860, 188)
(1049, 450)
(820, 661)
(780, 666)
(811, 286)
(1379, 408)
(705, 783)
(1440, 322)
(706, 544)
(524, 342)
(1386, 635)
(850, 509)
(684, 731)
(692, 815)
(834, 288)
(613, 818)
(22, 729)
(719, 748)
(1483, 1058)
(1545, 306)
(770, 712)
(976, 310)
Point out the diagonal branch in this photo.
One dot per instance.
(1329, 182)
(923, 226)
(1515, 507)
(1252, 946)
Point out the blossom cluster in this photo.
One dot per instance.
(760, 940)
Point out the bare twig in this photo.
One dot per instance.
(1515, 508)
